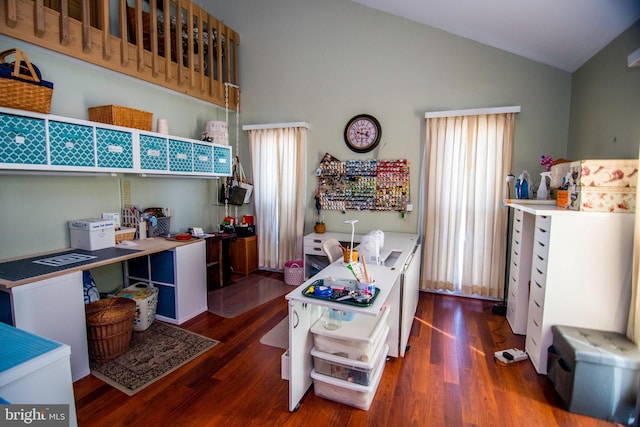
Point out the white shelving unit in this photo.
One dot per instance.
(580, 273)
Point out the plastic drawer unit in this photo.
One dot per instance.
(353, 371)
(356, 339)
(356, 395)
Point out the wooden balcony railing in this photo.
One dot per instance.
(171, 43)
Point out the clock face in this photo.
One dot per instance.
(362, 133)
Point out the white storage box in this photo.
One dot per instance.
(356, 395)
(92, 234)
(146, 298)
(356, 339)
(352, 371)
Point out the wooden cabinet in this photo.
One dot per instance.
(243, 255)
(217, 258)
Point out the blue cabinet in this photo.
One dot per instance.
(71, 144)
(114, 149)
(153, 153)
(202, 158)
(180, 276)
(222, 160)
(22, 140)
(34, 141)
(180, 156)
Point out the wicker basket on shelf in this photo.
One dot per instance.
(121, 116)
(21, 84)
(109, 327)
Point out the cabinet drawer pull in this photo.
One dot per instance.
(541, 259)
(538, 284)
(317, 241)
(317, 249)
(535, 323)
(537, 305)
(534, 341)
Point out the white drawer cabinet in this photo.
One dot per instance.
(315, 259)
(579, 274)
(519, 272)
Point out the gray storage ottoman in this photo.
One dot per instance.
(595, 372)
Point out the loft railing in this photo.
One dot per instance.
(171, 43)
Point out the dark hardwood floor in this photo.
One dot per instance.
(448, 378)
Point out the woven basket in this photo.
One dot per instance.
(125, 234)
(109, 327)
(24, 90)
(121, 116)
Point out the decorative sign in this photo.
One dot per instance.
(378, 185)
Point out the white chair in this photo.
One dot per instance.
(333, 249)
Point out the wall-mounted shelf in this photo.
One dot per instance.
(42, 142)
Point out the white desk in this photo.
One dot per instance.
(399, 290)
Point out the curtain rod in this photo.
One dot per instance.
(277, 126)
(472, 112)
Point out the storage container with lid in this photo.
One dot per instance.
(356, 339)
(349, 370)
(356, 395)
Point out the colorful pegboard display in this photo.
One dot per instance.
(379, 185)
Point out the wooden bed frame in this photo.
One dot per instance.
(54, 25)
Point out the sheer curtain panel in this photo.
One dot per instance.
(278, 154)
(467, 157)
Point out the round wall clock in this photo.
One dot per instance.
(362, 133)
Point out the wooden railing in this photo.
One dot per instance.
(171, 43)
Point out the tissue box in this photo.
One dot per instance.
(92, 234)
(605, 173)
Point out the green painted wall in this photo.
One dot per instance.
(605, 103)
(302, 60)
(325, 61)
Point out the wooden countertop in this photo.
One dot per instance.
(144, 247)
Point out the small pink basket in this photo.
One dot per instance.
(294, 272)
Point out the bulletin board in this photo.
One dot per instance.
(376, 185)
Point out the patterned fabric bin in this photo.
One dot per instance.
(146, 298)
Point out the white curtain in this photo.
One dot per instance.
(633, 326)
(278, 163)
(467, 159)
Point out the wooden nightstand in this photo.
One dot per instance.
(244, 255)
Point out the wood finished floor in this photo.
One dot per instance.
(448, 378)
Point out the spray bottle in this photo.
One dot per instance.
(523, 191)
(543, 192)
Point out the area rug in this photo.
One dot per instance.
(278, 336)
(153, 354)
(245, 294)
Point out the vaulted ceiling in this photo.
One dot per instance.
(564, 34)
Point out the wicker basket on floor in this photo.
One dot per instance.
(109, 327)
